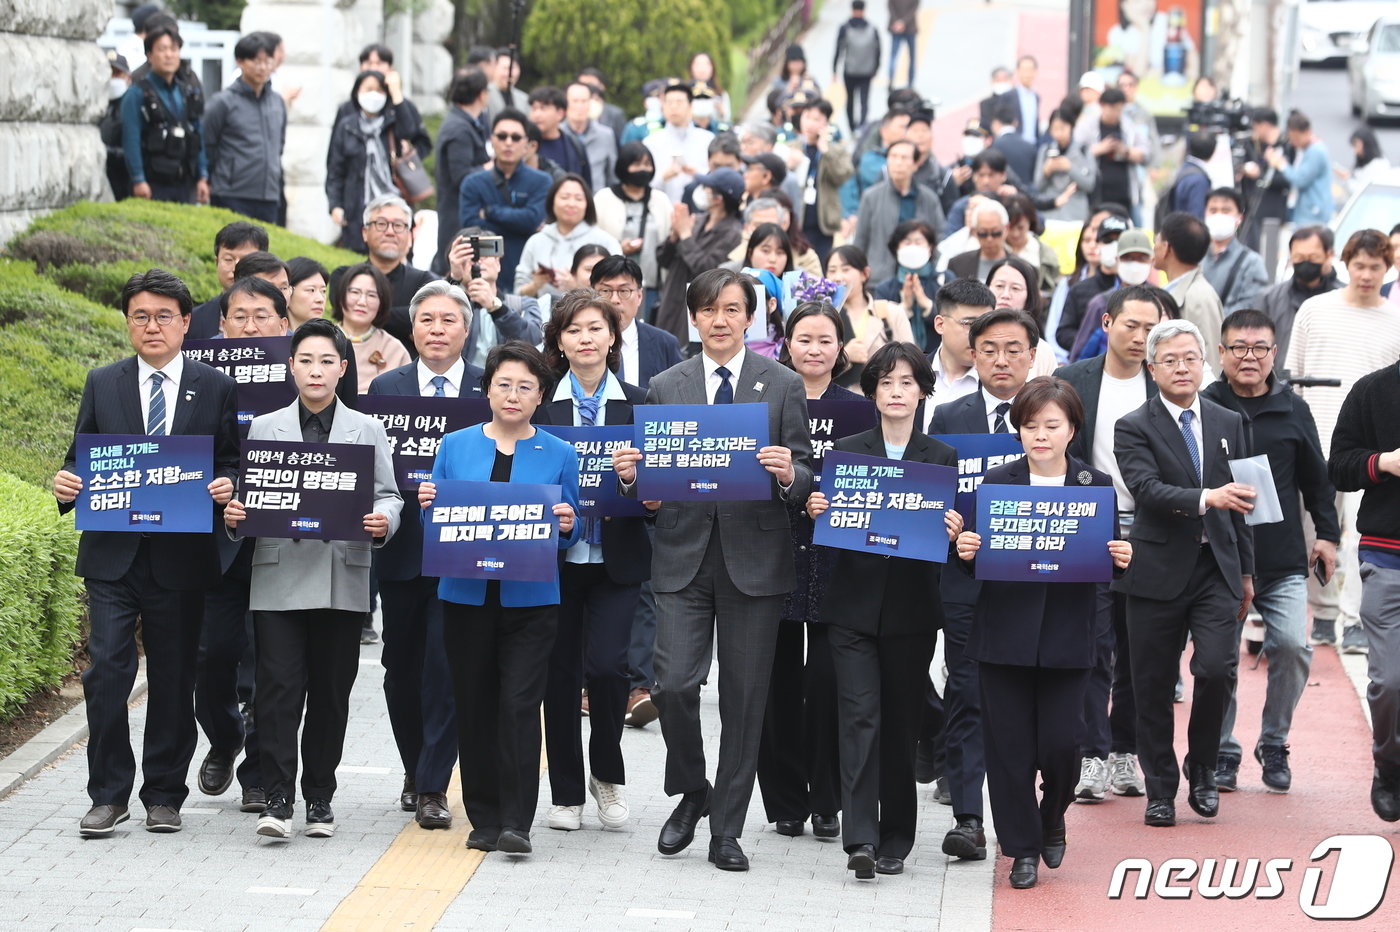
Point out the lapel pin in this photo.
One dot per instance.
(758, 386)
(1085, 477)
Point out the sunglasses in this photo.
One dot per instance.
(509, 137)
(990, 234)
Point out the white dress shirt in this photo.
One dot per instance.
(946, 389)
(991, 401)
(173, 371)
(1174, 412)
(631, 354)
(712, 379)
(452, 388)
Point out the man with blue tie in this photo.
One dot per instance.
(159, 578)
(1193, 566)
(417, 683)
(1003, 343)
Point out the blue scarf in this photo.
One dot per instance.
(588, 406)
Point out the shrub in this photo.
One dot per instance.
(38, 593)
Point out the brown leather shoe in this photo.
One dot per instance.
(640, 709)
(433, 811)
(100, 820)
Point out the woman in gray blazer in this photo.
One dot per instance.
(310, 598)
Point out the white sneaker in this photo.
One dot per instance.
(1123, 775)
(565, 818)
(612, 805)
(1093, 780)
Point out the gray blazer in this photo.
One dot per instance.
(295, 575)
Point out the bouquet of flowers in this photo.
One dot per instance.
(800, 287)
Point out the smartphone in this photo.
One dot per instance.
(1320, 571)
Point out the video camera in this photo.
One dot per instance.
(1223, 116)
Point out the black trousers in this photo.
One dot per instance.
(879, 688)
(1122, 713)
(932, 721)
(1157, 629)
(306, 659)
(499, 673)
(1032, 721)
(170, 623)
(590, 649)
(223, 645)
(799, 770)
(962, 732)
(857, 89)
(418, 683)
(258, 210)
(178, 193)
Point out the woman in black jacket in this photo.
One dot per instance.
(359, 161)
(1034, 643)
(884, 614)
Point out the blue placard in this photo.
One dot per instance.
(889, 507)
(257, 364)
(977, 453)
(597, 483)
(134, 482)
(702, 452)
(415, 427)
(1045, 533)
(492, 530)
(306, 491)
(828, 420)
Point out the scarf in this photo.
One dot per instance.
(379, 175)
(588, 406)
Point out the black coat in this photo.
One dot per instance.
(1087, 378)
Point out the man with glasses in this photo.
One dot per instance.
(232, 243)
(159, 579)
(508, 199)
(1280, 425)
(1193, 566)
(245, 128)
(986, 221)
(388, 233)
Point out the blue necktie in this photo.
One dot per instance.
(155, 413)
(588, 417)
(724, 395)
(1190, 437)
(999, 425)
(439, 383)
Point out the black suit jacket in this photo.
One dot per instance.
(964, 265)
(1158, 472)
(1020, 155)
(883, 595)
(657, 351)
(626, 546)
(1036, 624)
(1087, 378)
(111, 404)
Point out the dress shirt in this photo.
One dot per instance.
(173, 371)
(991, 401)
(454, 375)
(713, 381)
(946, 389)
(1174, 412)
(583, 551)
(1030, 114)
(631, 354)
(316, 426)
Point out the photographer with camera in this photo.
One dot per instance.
(474, 263)
(1265, 188)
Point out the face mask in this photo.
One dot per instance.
(652, 106)
(971, 145)
(1221, 226)
(116, 88)
(1108, 254)
(372, 101)
(1307, 271)
(1000, 87)
(640, 178)
(912, 257)
(595, 109)
(1134, 273)
(701, 199)
(703, 108)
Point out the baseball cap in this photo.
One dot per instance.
(725, 181)
(1132, 242)
(772, 162)
(1093, 81)
(118, 62)
(1112, 227)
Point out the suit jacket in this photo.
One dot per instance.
(626, 546)
(657, 351)
(111, 404)
(964, 265)
(1037, 624)
(295, 575)
(1200, 305)
(1020, 154)
(1157, 470)
(883, 595)
(1087, 378)
(755, 535)
(401, 557)
(543, 459)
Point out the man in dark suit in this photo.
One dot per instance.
(159, 578)
(388, 235)
(1111, 386)
(1026, 101)
(1003, 342)
(987, 221)
(1020, 154)
(1001, 86)
(206, 320)
(1193, 571)
(417, 683)
(721, 571)
(232, 242)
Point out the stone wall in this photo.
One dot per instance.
(53, 90)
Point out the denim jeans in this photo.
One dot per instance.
(896, 40)
(1283, 604)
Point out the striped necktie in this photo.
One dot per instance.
(155, 412)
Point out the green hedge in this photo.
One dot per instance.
(38, 593)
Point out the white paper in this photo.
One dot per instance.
(1255, 472)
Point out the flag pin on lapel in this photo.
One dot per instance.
(758, 386)
(189, 395)
(1085, 477)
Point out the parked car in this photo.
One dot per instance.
(1327, 29)
(1375, 207)
(1374, 71)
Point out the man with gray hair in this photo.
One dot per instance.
(1193, 565)
(755, 139)
(886, 204)
(987, 220)
(388, 233)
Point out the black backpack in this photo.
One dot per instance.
(1167, 202)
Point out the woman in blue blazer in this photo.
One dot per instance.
(1035, 645)
(497, 631)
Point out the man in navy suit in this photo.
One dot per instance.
(1003, 343)
(1020, 155)
(417, 683)
(159, 578)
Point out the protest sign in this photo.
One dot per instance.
(701, 452)
(492, 530)
(828, 420)
(416, 425)
(257, 364)
(597, 483)
(1045, 533)
(978, 453)
(887, 507)
(136, 482)
(316, 491)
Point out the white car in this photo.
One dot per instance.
(1327, 29)
(1374, 71)
(1374, 207)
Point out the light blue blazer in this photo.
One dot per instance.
(545, 459)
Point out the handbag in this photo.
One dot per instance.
(410, 176)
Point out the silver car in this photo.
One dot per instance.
(1329, 29)
(1374, 71)
(1374, 207)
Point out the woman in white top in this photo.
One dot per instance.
(549, 254)
(870, 323)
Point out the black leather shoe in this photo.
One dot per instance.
(726, 854)
(966, 840)
(679, 830)
(1385, 796)
(216, 773)
(1023, 872)
(483, 839)
(254, 800)
(408, 796)
(926, 768)
(1161, 813)
(862, 861)
(512, 841)
(826, 826)
(889, 866)
(790, 827)
(100, 820)
(433, 811)
(1203, 795)
(1052, 849)
(1227, 773)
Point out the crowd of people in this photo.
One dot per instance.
(587, 265)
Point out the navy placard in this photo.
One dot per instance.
(306, 491)
(416, 425)
(597, 483)
(701, 452)
(135, 482)
(258, 365)
(828, 420)
(492, 530)
(888, 507)
(1045, 533)
(978, 453)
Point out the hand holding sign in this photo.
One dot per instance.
(778, 461)
(66, 486)
(565, 513)
(625, 460)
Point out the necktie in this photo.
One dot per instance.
(724, 395)
(999, 425)
(439, 383)
(1190, 437)
(155, 413)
